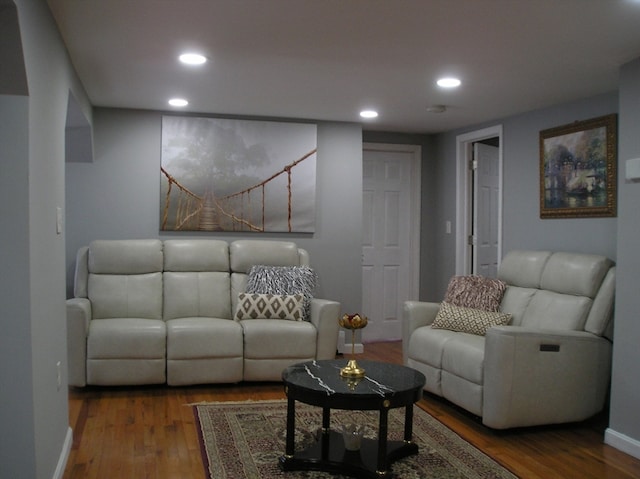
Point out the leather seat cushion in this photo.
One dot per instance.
(278, 338)
(201, 338)
(426, 345)
(463, 356)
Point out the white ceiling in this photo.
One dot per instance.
(328, 59)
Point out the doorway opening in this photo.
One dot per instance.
(479, 202)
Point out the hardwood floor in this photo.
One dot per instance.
(150, 432)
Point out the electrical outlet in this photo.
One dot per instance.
(59, 373)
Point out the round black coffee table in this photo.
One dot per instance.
(385, 386)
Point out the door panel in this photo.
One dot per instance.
(386, 248)
(487, 190)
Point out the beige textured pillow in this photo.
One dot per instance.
(468, 320)
(269, 306)
(475, 292)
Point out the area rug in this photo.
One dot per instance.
(243, 440)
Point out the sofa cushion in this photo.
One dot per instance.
(550, 310)
(264, 279)
(203, 338)
(468, 320)
(196, 255)
(463, 357)
(426, 345)
(138, 256)
(196, 294)
(126, 338)
(575, 274)
(125, 295)
(269, 306)
(523, 268)
(475, 292)
(515, 302)
(275, 338)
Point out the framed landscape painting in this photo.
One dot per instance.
(578, 169)
(237, 175)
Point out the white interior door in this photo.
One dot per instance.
(486, 197)
(390, 238)
(467, 219)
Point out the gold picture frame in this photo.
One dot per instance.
(578, 169)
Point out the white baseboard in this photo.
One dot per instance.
(346, 348)
(64, 455)
(621, 442)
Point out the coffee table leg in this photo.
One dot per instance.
(408, 423)
(291, 427)
(382, 442)
(326, 430)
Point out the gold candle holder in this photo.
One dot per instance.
(352, 322)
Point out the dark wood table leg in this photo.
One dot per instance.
(382, 442)
(326, 430)
(291, 427)
(408, 423)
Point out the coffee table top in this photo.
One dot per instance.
(384, 384)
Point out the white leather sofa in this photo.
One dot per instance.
(550, 364)
(150, 311)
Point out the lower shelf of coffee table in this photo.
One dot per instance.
(329, 454)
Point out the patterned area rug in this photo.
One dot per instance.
(244, 441)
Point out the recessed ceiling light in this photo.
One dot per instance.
(369, 114)
(449, 82)
(178, 102)
(192, 58)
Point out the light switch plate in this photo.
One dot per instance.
(632, 169)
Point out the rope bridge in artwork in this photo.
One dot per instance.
(190, 211)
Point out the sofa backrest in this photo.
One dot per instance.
(149, 278)
(558, 290)
(196, 279)
(123, 279)
(243, 254)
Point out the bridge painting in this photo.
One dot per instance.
(237, 175)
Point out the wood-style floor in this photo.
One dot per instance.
(150, 432)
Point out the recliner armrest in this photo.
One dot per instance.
(324, 316)
(534, 376)
(415, 314)
(78, 317)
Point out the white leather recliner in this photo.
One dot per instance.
(550, 364)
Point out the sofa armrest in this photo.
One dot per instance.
(415, 314)
(534, 376)
(324, 316)
(78, 317)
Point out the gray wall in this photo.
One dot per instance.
(625, 389)
(522, 226)
(34, 412)
(118, 194)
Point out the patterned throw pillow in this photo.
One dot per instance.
(283, 280)
(269, 306)
(475, 292)
(468, 320)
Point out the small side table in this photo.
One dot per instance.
(384, 387)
